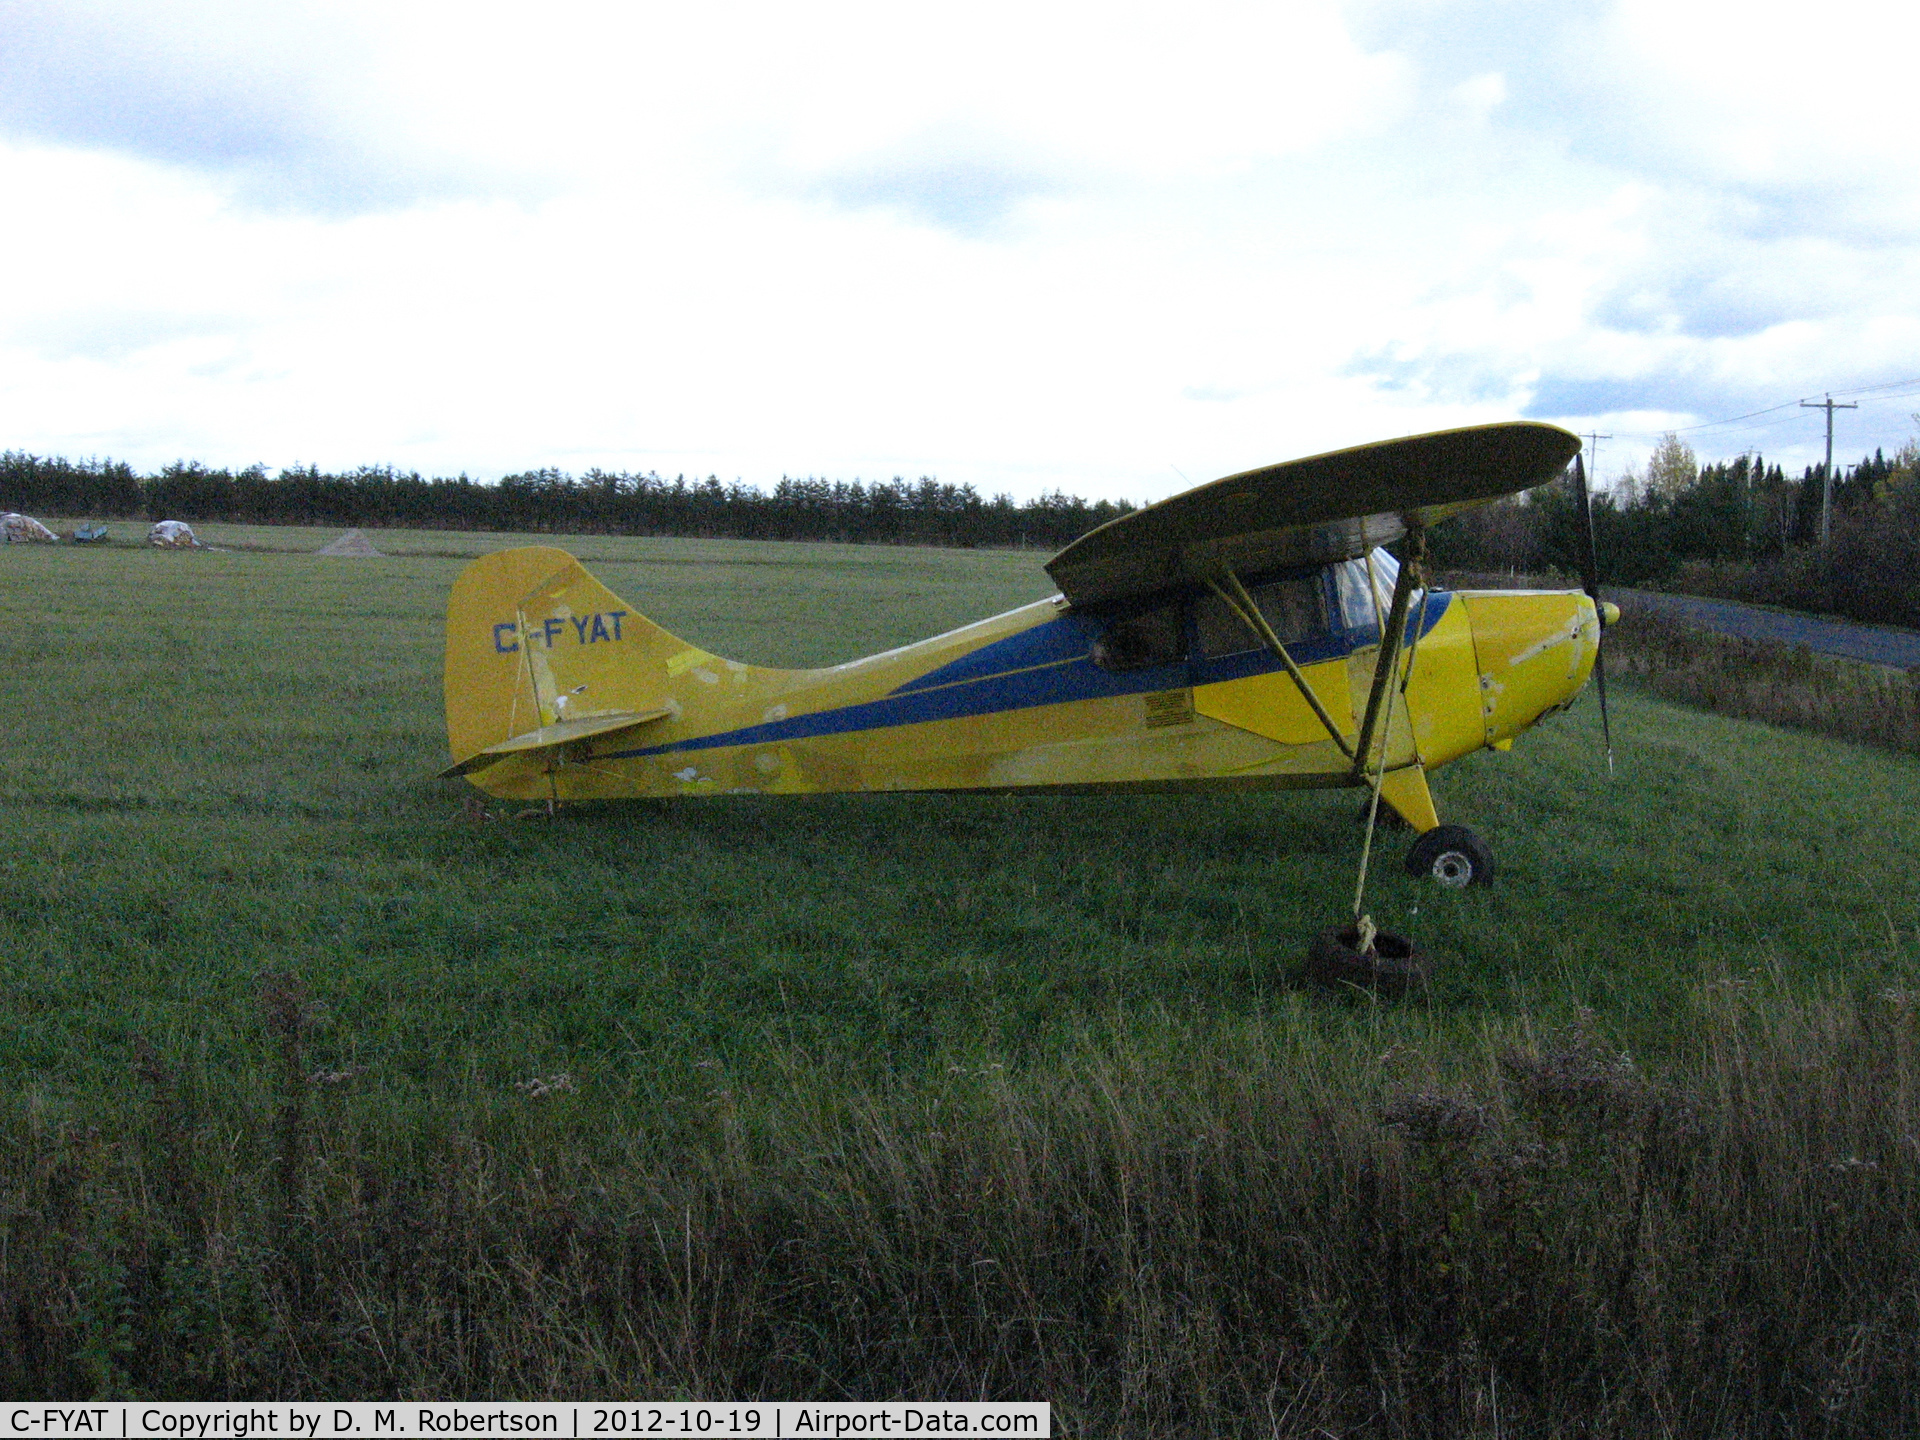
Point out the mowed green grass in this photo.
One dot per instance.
(219, 765)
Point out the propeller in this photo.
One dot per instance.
(1590, 574)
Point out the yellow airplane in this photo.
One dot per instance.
(1249, 633)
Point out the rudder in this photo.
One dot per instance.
(535, 641)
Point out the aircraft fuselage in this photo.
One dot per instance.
(1169, 692)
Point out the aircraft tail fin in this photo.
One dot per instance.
(540, 654)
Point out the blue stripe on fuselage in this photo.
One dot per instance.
(1048, 664)
(1070, 637)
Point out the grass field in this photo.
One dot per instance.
(859, 1091)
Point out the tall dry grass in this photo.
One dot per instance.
(1288, 1229)
(1768, 680)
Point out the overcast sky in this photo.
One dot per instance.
(1104, 249)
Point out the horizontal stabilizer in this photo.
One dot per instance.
(551, 737)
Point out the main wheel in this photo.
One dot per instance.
(1392, 967)
(1453, 855)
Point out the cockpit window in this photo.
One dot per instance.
(1361, 608)
(1295, 607)
(1141, 641)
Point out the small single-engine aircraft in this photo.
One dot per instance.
(1249, 633)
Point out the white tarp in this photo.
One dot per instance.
(173, 535)
(353, 544)
(23, 529)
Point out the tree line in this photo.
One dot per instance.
(1739, 528)
(892, 512)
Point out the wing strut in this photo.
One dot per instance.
(1393, 636)
(1392, 639)
(1241, 604)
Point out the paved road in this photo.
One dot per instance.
(1878, 645)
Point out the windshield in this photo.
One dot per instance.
(1364, 601)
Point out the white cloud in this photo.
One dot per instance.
(277, 101)
(1018, 246)
(1482, 94)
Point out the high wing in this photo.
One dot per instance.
(1309, 512)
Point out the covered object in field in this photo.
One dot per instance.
(353, 545)
(173, 535)
(25, 530)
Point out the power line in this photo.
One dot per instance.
(1864, 390)
(1709, 424)
(1889, 385)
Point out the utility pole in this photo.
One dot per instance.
(1826, 489)
(1593, 457)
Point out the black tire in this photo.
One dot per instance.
(1394, 966)
(1452, 855)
